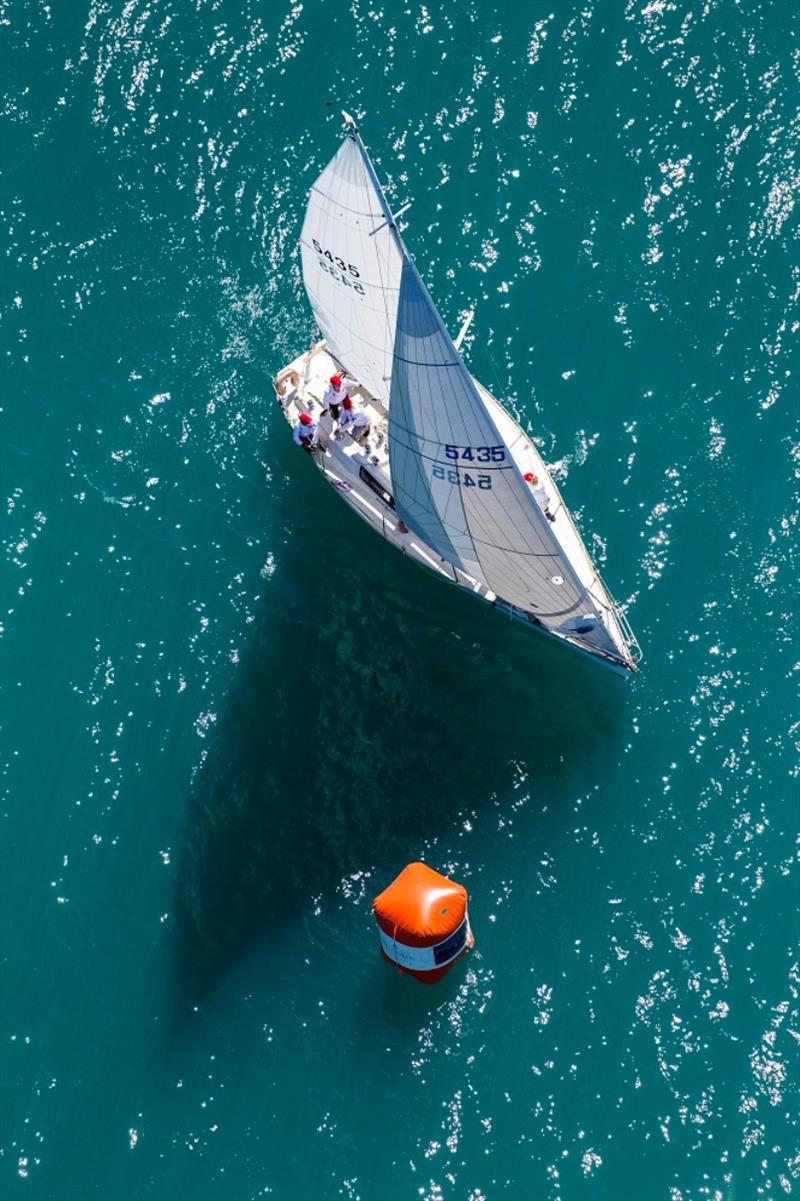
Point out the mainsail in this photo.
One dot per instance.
(351, 267)
(455, 481)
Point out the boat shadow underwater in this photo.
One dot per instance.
(371, 708)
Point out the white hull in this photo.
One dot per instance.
(362, 477)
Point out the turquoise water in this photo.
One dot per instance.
(232, 714)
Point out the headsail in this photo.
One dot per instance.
(351, 267)
(456, 483)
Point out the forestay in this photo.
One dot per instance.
(455, 481)
(351, 268)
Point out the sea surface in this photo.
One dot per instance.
(232, 714)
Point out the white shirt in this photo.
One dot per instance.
(355, 420)
(542, 499)
(303, 433)
(335, 396)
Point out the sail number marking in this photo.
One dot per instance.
(476, 454)
(342, 278)
(334, 258)
(462, 478)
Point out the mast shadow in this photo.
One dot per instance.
(372, 706)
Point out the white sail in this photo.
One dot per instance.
(455, 481)
(351, 267)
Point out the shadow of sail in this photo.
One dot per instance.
(371, 707)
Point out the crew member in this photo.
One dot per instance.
(335, 393)
(540, 495)
(305, 433)
(355, 421)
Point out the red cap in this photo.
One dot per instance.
(347, 403)
(305, 419)
(529, 477)
(336, 380)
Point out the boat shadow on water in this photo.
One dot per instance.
(372, 706)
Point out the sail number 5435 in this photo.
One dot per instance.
(334, 258)
(476, 454)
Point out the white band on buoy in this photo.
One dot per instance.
(426, 959)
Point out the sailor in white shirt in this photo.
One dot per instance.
(335, 394)
(540, 495)
(305, 433)
(355, 421)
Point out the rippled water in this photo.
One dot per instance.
(232, 714)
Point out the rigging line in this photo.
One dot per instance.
(485, 345)
(338, 203)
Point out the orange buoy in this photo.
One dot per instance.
(423, 922)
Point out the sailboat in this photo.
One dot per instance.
(444, 473)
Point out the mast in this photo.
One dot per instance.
(352, 131)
